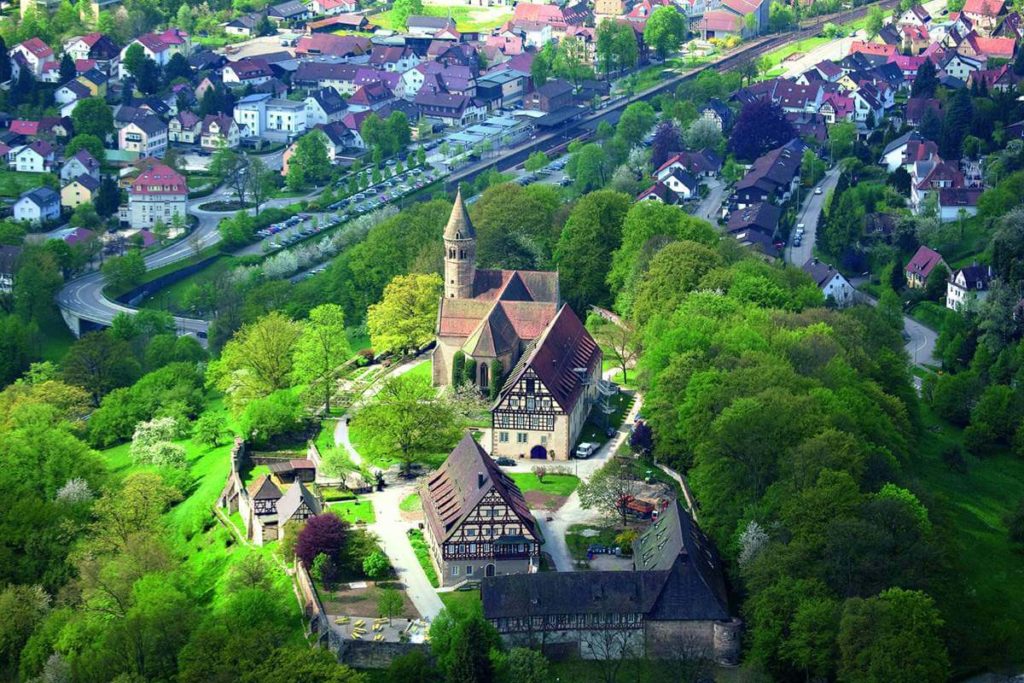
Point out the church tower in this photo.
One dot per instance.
(459, 253)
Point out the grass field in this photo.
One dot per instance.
(171, 298)
(410, 503)
(461, 601)
(419, 546)
(556, 484)
(421, 371)
(355, 511)
(13, 183)
(969, 511)
(467, 19)
(777, 57)
(578, 543)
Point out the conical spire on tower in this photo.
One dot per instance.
(459, 226)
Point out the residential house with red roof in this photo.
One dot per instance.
(984, 14)
(97, 48)
(159, 47)
(974, 45)
(247, 71)
(720, 23)
(332, 7)
(157, 194)
(477, 520)
(33, 52)
(343, 47)
(928, 177)
(1002, 79)
(921, 266)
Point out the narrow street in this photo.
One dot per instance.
(711, 206)
(809, 216)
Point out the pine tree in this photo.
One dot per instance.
(67, 68)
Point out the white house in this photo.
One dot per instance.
(157, 194)
(82, 163)
(36, 54)
(324, 106)
(968, 287)
(36, 157)
(286, 116)
(146, 135)
(38, 205)
(251, 112)
(219, 131)
(831, 282)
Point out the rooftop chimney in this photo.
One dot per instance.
(480, 479)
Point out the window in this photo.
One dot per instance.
(455, 570)
(471, 532)
(531, 403)
(530, 386)
(469, 570)
(521, 437)
(472, 548)
(503, 437)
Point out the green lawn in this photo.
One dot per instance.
(471, 19)
(593, 431)
(931, 314)
(462, 601)
(556, 484)
(13, 183)
(411, 503)
(578, 543)
(969, 510)
(776, 57)
(421, 371)
(419, 546)
(355, 511)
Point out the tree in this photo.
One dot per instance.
(321, 350)
(389, 603)
(468, 660)
(124, 272)
(609, 489)
(300, 664)
(232, 169)
(925, 81)
(93, 116)
(842, 135)
(260, 182)
(592, 233)
(667, 141)
(536, 161)
(875, 21)
(98, 363)
(956, 124)
(935, 286)
(408, 420)
(309, 162)
(209, 430)
(572, 61)
(323, 534)
(108, 198)
(5, 62)
(703, 134)
(674, 271)
(620, 338)
(895, 636)
(540, 68)
(86, 141)
(665, 30)
(527, 666)
(636, 120)
(258, 360)
(401, 10)
(177, 68)
(403, 320)
(67, 68)
(589, 167)
(376, 565)
(266, 418)
(761, 126)
(25, 608)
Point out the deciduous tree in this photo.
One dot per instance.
(403, 320)
(321, 350)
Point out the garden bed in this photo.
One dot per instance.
(419, 546)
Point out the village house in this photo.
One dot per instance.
(246, 25)
(157, 194)
(79, 191)
(159, 47)
(968, 287)
(271, 509)
(450, 110)
(554, 95)
(250, 71)
(185, 128)
(37, 206)
(97, 48)
(82, 163)
(146, 135)
(921, 266)
(288, 12)
(984, 14)
(771, 178)
(332, 7)
(673, 604)
(251, 113)
(323, 106)
(477, 520)
(33, 52)
(286, 117)
(218, 132)
(718, 112)
(831, 282)
(36, 157)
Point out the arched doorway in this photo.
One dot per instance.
(539, 453)
(489, 570)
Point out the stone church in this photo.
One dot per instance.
(489, 315)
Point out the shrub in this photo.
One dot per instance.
(322, 534)
(151, 444)
(324, 569)
(376, 565)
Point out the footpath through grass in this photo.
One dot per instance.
(969, 511)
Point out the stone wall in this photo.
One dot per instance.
(366, 654)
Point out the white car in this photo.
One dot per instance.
(585, 450)
(817, 190)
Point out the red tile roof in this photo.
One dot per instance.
(38, 48)
(987, 8)
(25, 127)
(159, 179)
(923, 262)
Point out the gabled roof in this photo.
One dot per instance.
(37, 47)
(87, 160)
(264, 489)
(923, 262)
(292, 500)
(821, 273)
(41, 197)
(554, 357)
(987, 8)
(466, 476)
(329, 100)
(87, 181)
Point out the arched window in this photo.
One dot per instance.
(484, 370)
(462, 253)
(451, 253)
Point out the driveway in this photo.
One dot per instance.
(711, 206)
(810, 215)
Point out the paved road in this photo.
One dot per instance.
(809, 216)
(710, 208)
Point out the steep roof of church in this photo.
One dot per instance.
(459, 226)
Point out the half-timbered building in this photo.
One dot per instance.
(674, 603)
(547, 397)
(477, 520)
(271, 509)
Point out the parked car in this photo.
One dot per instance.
(585, 450)
(504, 461)
(817, 190)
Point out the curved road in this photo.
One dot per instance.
(83, 297)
